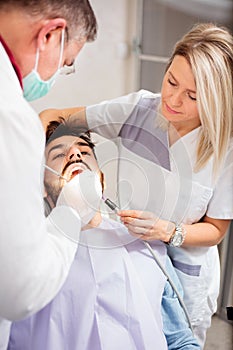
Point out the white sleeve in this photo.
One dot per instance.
(35, 253)
(107, 117)
(221, 204)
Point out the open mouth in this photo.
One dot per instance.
(74, 173)
(74, 170)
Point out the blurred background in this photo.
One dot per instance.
(135, 39)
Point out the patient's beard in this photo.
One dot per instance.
(53, 192)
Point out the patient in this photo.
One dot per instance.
(114, 291)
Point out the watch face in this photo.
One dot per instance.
(177, 239)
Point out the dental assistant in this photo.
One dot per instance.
(176, 161)
(37, 39)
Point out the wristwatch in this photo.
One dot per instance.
(177, 238)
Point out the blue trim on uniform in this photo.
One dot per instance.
(141, 135)
(191, 270)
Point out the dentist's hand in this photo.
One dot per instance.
(146, 226)
(83, 193)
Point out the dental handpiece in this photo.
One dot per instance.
(110, 204)
(54, 172)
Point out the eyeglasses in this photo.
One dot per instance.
(65, 70)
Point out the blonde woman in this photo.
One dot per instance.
(176, 161)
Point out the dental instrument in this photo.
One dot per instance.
(110, 204)
(54, 172)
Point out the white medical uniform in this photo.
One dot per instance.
(35, 255)
(155, 177)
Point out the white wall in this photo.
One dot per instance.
(102, 70)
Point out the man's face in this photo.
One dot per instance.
(70, 156)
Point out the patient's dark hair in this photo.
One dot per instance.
(62, 127)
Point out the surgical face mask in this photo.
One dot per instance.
(83, 193)
(34, 87)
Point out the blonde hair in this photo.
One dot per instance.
(209, 51)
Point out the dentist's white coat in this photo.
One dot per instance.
(35, 255)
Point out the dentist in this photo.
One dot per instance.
(37, 38)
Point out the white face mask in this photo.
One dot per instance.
(83, 193)
(34, 87)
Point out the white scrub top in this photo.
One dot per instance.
(35, 255)
(153, 176)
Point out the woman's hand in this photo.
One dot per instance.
(146, 225)
(49, 115)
